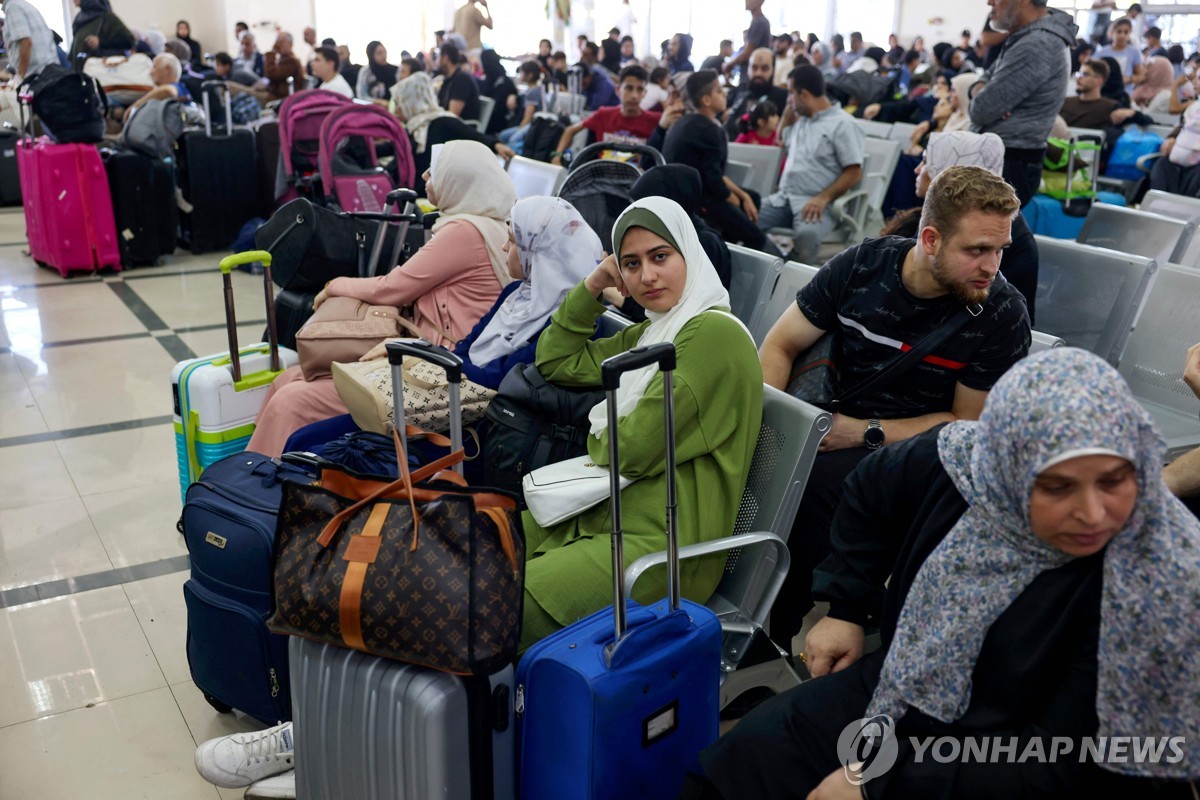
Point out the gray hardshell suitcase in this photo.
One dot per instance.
(370, 728)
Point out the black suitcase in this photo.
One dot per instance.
(10, 179)
(267, 142)
(218, 175)
(143, 195)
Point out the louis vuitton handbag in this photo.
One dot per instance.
(424, 569)
(366, 389)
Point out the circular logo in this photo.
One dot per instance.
(867, 748)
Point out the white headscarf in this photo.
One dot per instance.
(964, 149)
(471, 186)
(702, 291)
(558, 250)
(419, 104)
(960, 85)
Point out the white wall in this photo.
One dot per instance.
(915, 20)
(212, 20)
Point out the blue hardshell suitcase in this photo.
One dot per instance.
(620, 704)
(228, 524)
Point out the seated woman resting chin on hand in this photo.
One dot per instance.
(718, 399)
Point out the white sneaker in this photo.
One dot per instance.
(280, 786)
(241, 759)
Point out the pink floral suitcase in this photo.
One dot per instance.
(68, 208)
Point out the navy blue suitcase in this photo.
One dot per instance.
(228, 524)
(620, 704)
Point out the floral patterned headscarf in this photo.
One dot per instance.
(1050, 407)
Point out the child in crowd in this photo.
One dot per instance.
(758, 127)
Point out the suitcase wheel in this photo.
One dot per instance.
(222, 708)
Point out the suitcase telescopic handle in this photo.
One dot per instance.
(228, 265)
(611, 370)
(438, 356)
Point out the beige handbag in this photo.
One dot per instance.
(366, 389)
(343, 329)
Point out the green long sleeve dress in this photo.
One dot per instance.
(718, 411)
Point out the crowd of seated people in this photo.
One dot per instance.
(1004, 520)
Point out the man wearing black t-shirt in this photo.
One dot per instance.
(697, 140)
(459, 93)
(880, 298)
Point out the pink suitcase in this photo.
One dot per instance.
(68, 208)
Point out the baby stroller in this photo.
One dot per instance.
(348, 158)
(599, 187)
(300, 118)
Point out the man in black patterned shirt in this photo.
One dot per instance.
(880, 298)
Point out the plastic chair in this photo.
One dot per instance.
(611, 323)
(1089, 296)
(1177, 206)
(764, 162)
(739, 172)
(1044, 341)
(792, 279)
(757, 557)
(877, 130)
(1152, 363)
(486, 106)
(753, 279)
(1165, 239)
(535, 178)
(856, 208)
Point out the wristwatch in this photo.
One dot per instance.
(873, 438)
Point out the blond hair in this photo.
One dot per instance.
(960, 190)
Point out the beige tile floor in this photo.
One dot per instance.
(95, 695)
(96, 700)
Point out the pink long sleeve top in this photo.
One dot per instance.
(450, 282)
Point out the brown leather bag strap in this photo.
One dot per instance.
(412, 327)
(405, 482)
(361, 554)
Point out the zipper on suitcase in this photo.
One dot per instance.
(519, 702)
(245, 500)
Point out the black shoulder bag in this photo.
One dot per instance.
(814, 377)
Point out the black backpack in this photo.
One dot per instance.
(531, 423)
(70, 105)
(542, 137)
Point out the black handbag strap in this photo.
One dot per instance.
(908, 360)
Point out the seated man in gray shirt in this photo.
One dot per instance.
(824, 161)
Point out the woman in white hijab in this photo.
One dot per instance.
(428, 124)
(549, 250)
(444, 288)
(718, 410)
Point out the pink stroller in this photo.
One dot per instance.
(300, 118)
(351, 174)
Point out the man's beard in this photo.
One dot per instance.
(964, 292)
(758, 87)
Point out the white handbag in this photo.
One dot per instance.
(564, 489)
(123, 78)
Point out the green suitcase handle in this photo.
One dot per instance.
(230, 263)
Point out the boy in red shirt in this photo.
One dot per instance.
(626, 123)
